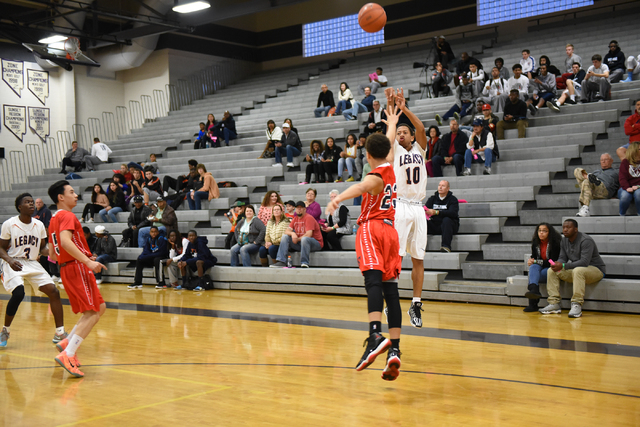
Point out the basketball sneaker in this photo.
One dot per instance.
(392, 369)
(551, 309)
(57, 338)
(62, 344)
(415, 317)
(4, 336)
(576, 310)
(376, 344)
(69, 364)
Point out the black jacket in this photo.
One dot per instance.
(291, 139)
(383, 116)
(460, 143)
(615, 60)
(482, 142)
(517, 110)
(326, 99)
(229, 123)
(553, 252)
(199, 251)
(138, 217)
(447, 56)
(333, 154)
(448, 208)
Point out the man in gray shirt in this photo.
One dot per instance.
(579, 263)
(570, 59)
(74, 158)
(544, 89)
(600, 184)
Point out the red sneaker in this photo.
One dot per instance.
(62, 345)
(69, 364)
(392, 369)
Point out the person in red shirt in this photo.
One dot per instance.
(303, 235)
(632, 129)
(72, 253)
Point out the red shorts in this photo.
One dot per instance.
(377, 248)
(80, 285)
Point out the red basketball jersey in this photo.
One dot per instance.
(383, 205)
(64, 220)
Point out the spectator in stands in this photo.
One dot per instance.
(90, 238)
(137, 184)
(375, 121)
(176, 244)
(360, 107)
(465, 97)
(235, 214)
(596, 85)
(208, 190)
(74, 158)
(433, 138)
(99, 154)
(249, 233)
(225, 129)
(290, 209)
(632, 129)
(544, 89)
(303, 235)
(443, 51)
(579, 263)
(312, 207)
(361, 153)
(116, 205)
(452, 148)
(274, 135)
(330, 158)
(153, 162)
(519, 82)
(197, 257)
(528, 64)
(443, 218)
(615, 60)
(202, 139)
(105, 250)
(276, 226)
(338, 224)
(119, 180)
(291, 126)
(376, 80)
(545, 246)
(137, 220)
(503, 72)
(629, 177)
(551, 69)
(599, 184)
(289, 144)
(462, 67)
(164, 218)
(573, 89)
(348, 158)
(633, 68)
(568, 67)
(480, 149)
(210, 127)
(440, 80)
(315, 165)
(181, 183)
(345, 97)
(472, 114)
(269, 201)
(496, 90)
(42, 212)
(126, 171)
(477, 77)
(99, 201)
(154, 251)
(489, 120)
(152, 189)
(325, 102)
(515, 116)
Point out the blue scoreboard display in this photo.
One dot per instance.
(338, 34)
(492, 11)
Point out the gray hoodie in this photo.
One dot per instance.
(548, 84)
(583, 252)
(609, 178)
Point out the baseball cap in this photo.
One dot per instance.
(486, 107)
(100, 229)
(300, 204)
(286, 125)
(477, 122)
(290, 202)
(238, 204)
(138, 199)
(160, 199)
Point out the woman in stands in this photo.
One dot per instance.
(209, 126)
(338, 224)
(330, 158)
(291, 126)
(276, 227)
(136, 184)
(121, 182)
(315, 165)
(348, 158)
(274, 134)
(313, 207)
(629, 177)
(176, 244)
(545, 246)
(116, 205)
(99, 201)
(345, 97)
(269, 201)
(250, 233)
(208, 190)
(433, 136)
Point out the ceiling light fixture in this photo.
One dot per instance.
(52, 39)
(188, 6)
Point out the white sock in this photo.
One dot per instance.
(7, 328)
(73, 345)
(73, 331)
(573, 97)
(416, 299)
(60, 330)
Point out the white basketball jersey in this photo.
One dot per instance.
(411, 172)
(24, 239)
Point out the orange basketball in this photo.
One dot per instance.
(372, 17)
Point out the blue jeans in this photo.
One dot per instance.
(342, 105)
(103, 259)
(626, 198)
(438, 162)
(489, 158)
(105, 215)
(321, 111)
(536, 273)
(351, 162)
(305, 247)
(272, 251)
(226, 134)
(196, 203)
(353, 112)
(245, 252)
(143, 234)
(290, 150)
(456, 109)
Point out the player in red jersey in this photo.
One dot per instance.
(377, 248)
(76, 264)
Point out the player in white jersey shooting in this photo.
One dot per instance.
(22, 240)
(407, 155)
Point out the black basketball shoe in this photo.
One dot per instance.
(376, 344)
(415, 317)
(392, 369)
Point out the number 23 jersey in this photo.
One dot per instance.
(383, 205)
(24, 239)
(411, 172)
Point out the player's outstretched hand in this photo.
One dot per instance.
(15, 265)
(95, 266)
(331, 208)
(401, 102)
(393, 114)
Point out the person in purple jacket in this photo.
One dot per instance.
(313, 207)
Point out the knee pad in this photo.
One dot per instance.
(392, 296)
(373, 285)
(16, 298)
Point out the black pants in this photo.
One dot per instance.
(447, 228)
(317, 169)
(441, 88)
(330, 168)
(147, 262)
(230, 240)
(68, 162)
(332, 240)
(201, 143)
(438, 162)
(132, 236)
(91, 208)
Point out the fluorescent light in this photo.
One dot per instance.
(52, 39)
(191, 6)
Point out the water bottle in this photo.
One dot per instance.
(355, 228)
(289, 264)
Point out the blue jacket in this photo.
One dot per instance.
(154, 248)
(367, 101)
(199, 250)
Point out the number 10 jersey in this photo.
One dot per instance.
(411, 172)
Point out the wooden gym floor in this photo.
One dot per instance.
(234, 358)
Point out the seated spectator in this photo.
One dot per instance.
(599, 184)
(632, 129)
(579, 263)
(197, 257)
(433, 138)
(291, 126)
(151, 189)
(276, 227)
(90, 238)
(573, 89)
(137, 220)
(472, 114)
(116, 205)
(235, 214)
(452, 148)
(519, 82)
(181, 183)
(615, 60)
(126, 171)
(496, 90)
(489, 120)
(571, 59)
(120, 181)
(105, 249)
(289, 144)
(515, 116)
(325, 102)
(366, 105)
(312, 207)
(348, 158)
(225, 129)
(480, 149)
(208, 190)
(375, 121)
(330, 158)
(629, 178)
(99, 201)
(153, 162)
(290, 209)
(462, 67)
(443, 220)
(137, 184)
(269, 201)
(164, 218)
(440, 80)
(338, 224)
(596, 86)
(303, 235)
(528, 64)
(503, 72)
(376, 80)
(249, 236)
(154, 251)
(551, 69)
(315, 165)
(477, 77)
(74, 158)
(361, 153)
(210, 128)
(42, 212)
(633, 68)
(176, 244)
(274, 135)
(444, 54)
(545, 246)
(345, 98)
(202, 139)
(99, 154)
(544, 89)
(465, 97)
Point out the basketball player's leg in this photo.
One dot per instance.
(417, 245)
(13, 283)
(394, 318)
(376, 344)
(41, 280)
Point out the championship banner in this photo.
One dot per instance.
(13, 74)
(39, 121)
(15, 119)
(38, 84)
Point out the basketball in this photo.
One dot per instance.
(372, 17)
